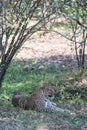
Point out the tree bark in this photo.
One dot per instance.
(3, 68)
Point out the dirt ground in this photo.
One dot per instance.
(50, 46)
(45, 46)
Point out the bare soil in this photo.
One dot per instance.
(45, 46)
(51, 46)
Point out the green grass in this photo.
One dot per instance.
(18, 119)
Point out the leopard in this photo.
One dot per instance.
(39, 99)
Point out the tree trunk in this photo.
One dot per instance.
(3, 68)
(5, 62)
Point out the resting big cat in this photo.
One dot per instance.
(38, 100)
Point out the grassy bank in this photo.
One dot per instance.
(71, 95)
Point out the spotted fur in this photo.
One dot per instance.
(39, 100)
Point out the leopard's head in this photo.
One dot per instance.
(48, 90)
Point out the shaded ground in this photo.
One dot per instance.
(17, 119)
